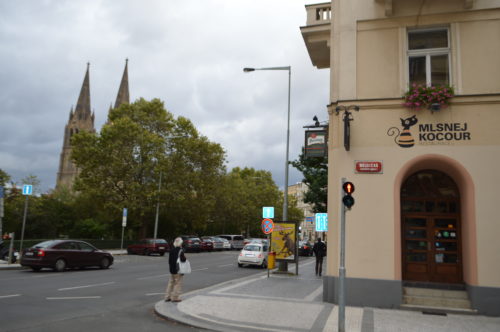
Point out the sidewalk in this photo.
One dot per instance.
(291, 303)
(17, 266)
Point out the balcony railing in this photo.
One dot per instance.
(319, 13)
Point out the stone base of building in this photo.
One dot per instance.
(389, 294)
(365, 292)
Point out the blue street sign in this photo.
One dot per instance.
(310, 219)
(124, 212)
(27, 189)
(124, 218)
(321, 222)
(268, 212)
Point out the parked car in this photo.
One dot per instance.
(206, 244)
(4, 252)
(218, 244)
(236, 241)
(62, 254)
(191, 243)
(258, 240)
(305, 248)
(148, 247)
(226, 245)
(253, 254)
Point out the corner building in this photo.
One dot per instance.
(427, 217)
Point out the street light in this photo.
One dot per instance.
(289, 68)
(159, 190)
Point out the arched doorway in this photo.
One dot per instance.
(431, 229)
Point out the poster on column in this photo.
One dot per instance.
(283, 240)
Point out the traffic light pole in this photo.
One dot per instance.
(341, 319)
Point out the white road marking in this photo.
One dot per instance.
(152, 294)
(73, 298)
(225, 265)
(86, 286)
(6, 296)
(152, 277)
(203, 268)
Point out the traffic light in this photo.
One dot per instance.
(348, 200)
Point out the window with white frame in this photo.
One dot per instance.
(429, 56)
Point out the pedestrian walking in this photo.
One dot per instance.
(174, 286)
(319, 250)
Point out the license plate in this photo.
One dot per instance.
(28, 254)
(161, 248)
(249, 255)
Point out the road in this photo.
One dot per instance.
(118, 299)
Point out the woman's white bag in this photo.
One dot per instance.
(184, 267)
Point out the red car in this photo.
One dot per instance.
(62, 254)
(206, 244)
(148, 247)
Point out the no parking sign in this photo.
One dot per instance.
(267, 226)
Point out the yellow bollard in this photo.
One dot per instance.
(271, 260)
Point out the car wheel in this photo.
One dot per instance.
(36, 268)
(60, 265)
(105, 263)
(240, 265)
(162, 254)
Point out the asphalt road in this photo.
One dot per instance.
(118, 299)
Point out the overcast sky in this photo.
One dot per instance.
(188, 53)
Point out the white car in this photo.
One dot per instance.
(226, 244)
(253, 254)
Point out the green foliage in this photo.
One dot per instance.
(4, 178)
(315, 172)
(121, 167)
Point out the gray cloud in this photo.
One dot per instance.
(190, 54)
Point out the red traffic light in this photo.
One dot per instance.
(348, 187)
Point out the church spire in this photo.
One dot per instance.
(123, 94)
(82, 109)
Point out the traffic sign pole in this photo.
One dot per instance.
(341, 320)
(24, 224)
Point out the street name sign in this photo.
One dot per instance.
(321, 222)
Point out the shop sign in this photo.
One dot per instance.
(316, 143)
(443, 133)
(372, 167)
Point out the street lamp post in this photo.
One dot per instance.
(289, 68)
(283, 266)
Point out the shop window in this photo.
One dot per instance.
(429, 56)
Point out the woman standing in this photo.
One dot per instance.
(174, 286)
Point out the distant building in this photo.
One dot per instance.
(307, 227)
(82, 119)
(426, 178)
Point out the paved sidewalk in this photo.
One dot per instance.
(291, 303)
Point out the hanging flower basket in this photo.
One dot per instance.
(431, 97)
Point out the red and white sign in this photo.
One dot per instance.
(368, 167)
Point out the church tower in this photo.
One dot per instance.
(81, 118)
(123, 96)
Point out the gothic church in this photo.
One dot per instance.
(82, 118)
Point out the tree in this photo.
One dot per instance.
(4, 178)
(121, 168)
(315, 172)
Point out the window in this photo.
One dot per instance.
(429, 56)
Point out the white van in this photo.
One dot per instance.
(236, 241)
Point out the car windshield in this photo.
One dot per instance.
(160, 241)
(45, 244)
(252, 248)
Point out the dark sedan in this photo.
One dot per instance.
(62, 254)
(305, 248)
(148, 247)
(191, 243)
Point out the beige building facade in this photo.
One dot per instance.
(426, 212)
(307, 225)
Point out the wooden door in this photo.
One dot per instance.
(431, 232)
(431, 249)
